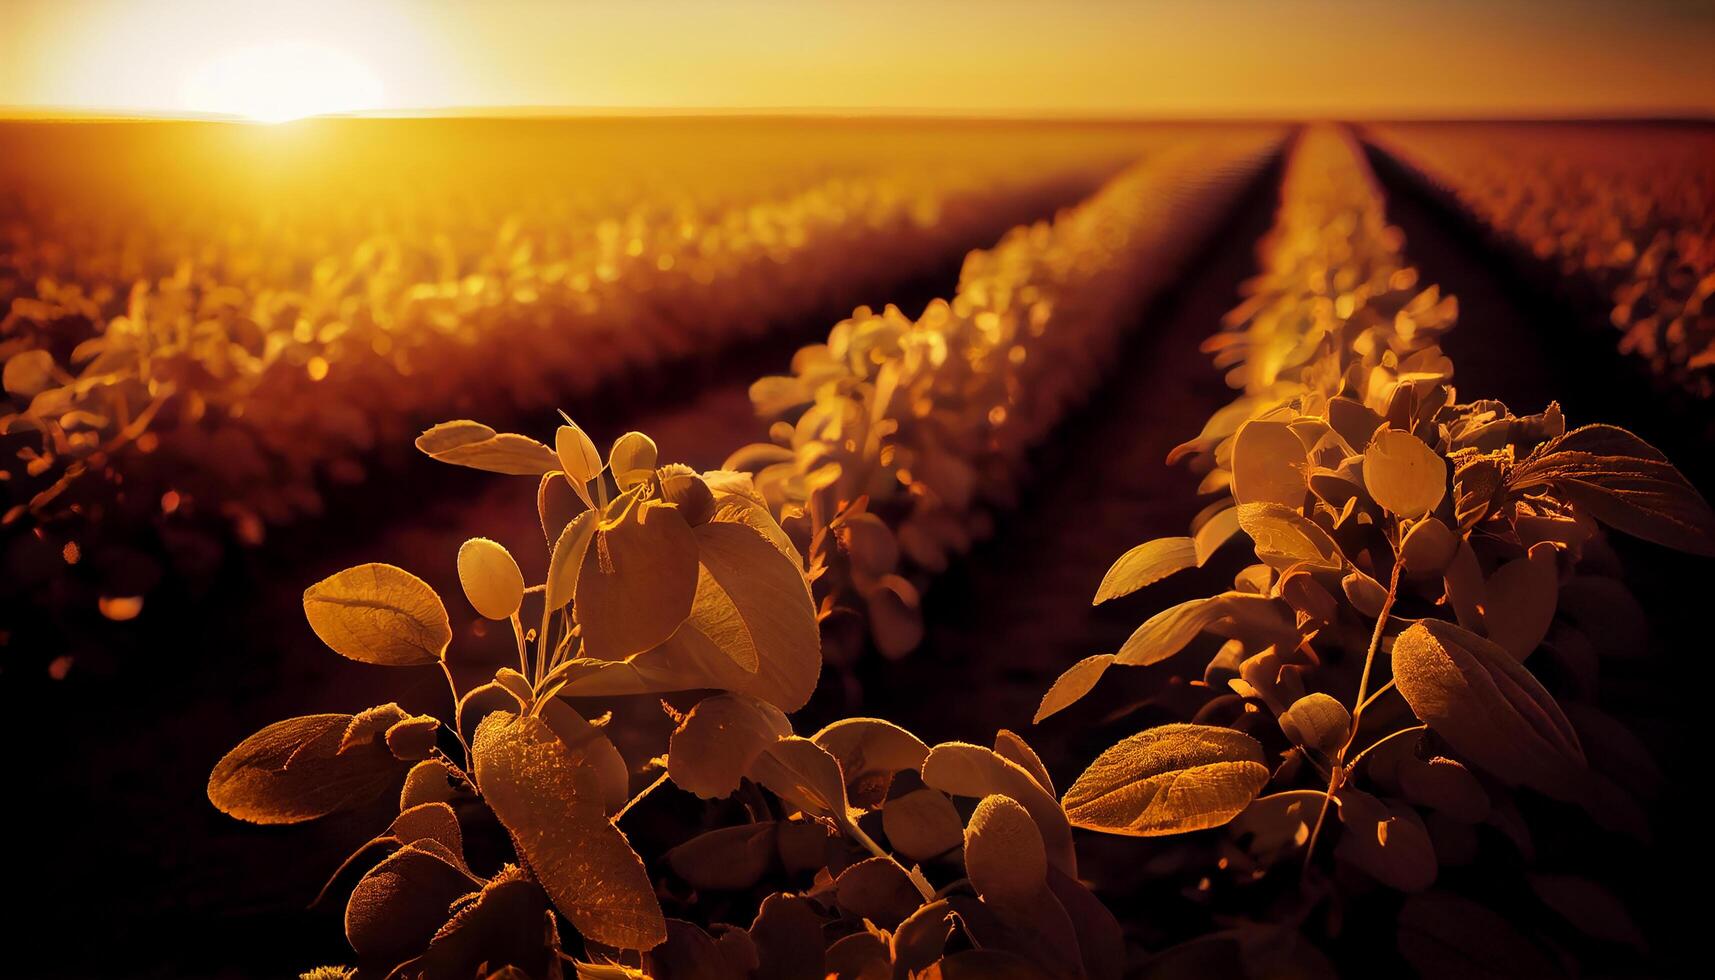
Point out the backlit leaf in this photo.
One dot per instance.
(1623, 482)
(1077, 681)
(1284, 537)
(1168, 780)
(578, 458)
(1268, 464)
(294, 770)
(467, 443)
(632, 459)
(567, 559)
(1403, 474)
(379, 614)
(1004, 855)
(1317, 721)
(491, 579)
(1149, 562)
(803, 774)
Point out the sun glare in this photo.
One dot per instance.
(278, 82)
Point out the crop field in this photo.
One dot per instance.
(774, 547)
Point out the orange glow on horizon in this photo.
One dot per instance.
(1164, 58)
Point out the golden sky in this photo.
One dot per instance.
(1168, 57)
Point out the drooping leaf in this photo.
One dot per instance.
(1403, 474)
(1168, 780)
(1145, 564)
(566, 561)
(491, 579)
(379, 614)
(295, 770)
(1486, 705)
(714, 746)
(870, 751)
(467, 443)
(553, 808)
(402, 902)
(1623, 482)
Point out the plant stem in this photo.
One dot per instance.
(645, 791)
(523, 651)
(1337, 776)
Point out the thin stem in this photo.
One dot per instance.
(1375, 697)
(868, 843)
(1378, 743)
(1337, 776)
(523, 650)
(645, 791)
(454, 690)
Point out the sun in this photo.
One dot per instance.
(281, 81)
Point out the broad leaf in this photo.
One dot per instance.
(1285, 538)
(1486, 705)
(295, 770)
(1269, 464)
(553, 808)
(1168, 780)
(1623, 482)
(1403, 474)
(379, 614)
(714, 746)
(638, 581)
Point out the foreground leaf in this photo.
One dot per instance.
(553, 808)
(1486, 705)
(1403, 474)
(1168, 780)
(714, 746)
(638, 580)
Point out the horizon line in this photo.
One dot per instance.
(29, 113)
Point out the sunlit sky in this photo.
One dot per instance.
(1171, 57)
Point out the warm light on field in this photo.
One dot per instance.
(282, 81)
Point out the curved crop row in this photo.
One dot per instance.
(1418, 564)
(275, 359)
(895, 440)
(1633, 214)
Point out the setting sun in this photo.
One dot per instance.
(282, 81)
